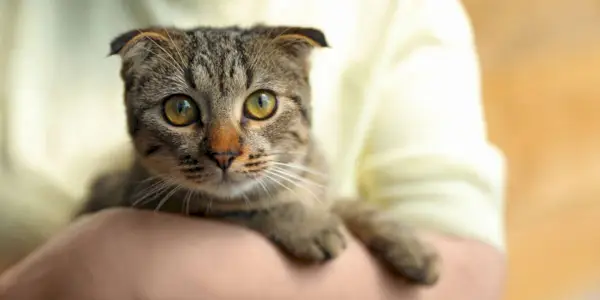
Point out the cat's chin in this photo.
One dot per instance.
(227, 190)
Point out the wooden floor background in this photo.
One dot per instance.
(541, 68)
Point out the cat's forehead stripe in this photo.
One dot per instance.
(189, 75)
(244, 62)
(220, 61)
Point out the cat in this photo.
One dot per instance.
(220, 120)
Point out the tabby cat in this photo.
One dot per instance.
(220, 121)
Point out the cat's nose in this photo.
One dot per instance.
(223, 144)
(223, 159)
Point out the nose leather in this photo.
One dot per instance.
(224, 144)
(223, 159)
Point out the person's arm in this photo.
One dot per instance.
(126, 255)
(426, 155)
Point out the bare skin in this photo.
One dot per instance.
(123, 254)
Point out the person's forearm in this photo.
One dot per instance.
(132, 253)
(470, 270)
(252, 268)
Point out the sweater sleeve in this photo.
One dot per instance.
(426, 155)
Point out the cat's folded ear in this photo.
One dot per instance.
(304, 35)
(124, 41)
(299, 40)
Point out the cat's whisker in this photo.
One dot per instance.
(294, 183)
(188, 202)
(153, 194)
(182, 61)
(185, 202)
(290, 153)
(302, 186)
(301, 168)
(268, 176)
(166, 52)
(277, 182)
(246, 200)
(176, 79)
(165, 182)
(260, 181)
(144, 190)
(286, 152)
(165, 61)
(150, 178)
(272, 41)
(255, 60)
(209, 206)
(285, 172)
(264, 45)
(167, 198)
(182, 83)
(285, 43)
(159, 180)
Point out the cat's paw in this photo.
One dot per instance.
(405, 254)
(314, 243)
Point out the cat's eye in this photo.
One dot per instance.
(180, 110)
(261, 105)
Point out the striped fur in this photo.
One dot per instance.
(267, 175)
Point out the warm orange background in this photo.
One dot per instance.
(541, 68)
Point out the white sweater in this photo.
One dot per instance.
(397, 98)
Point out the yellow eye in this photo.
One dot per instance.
(180, 110)
(261, 105)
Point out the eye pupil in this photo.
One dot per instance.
(263, 100)
(182, 107)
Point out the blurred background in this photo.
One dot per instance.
(541, 79)
(541, 72)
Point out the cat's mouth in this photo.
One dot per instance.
(226, 177)
(219, 180)
(225, 184)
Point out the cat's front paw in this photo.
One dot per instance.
(314, 243)
(405, 254)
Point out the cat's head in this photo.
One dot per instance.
(224, 111)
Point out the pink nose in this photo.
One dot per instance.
(223, 159)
